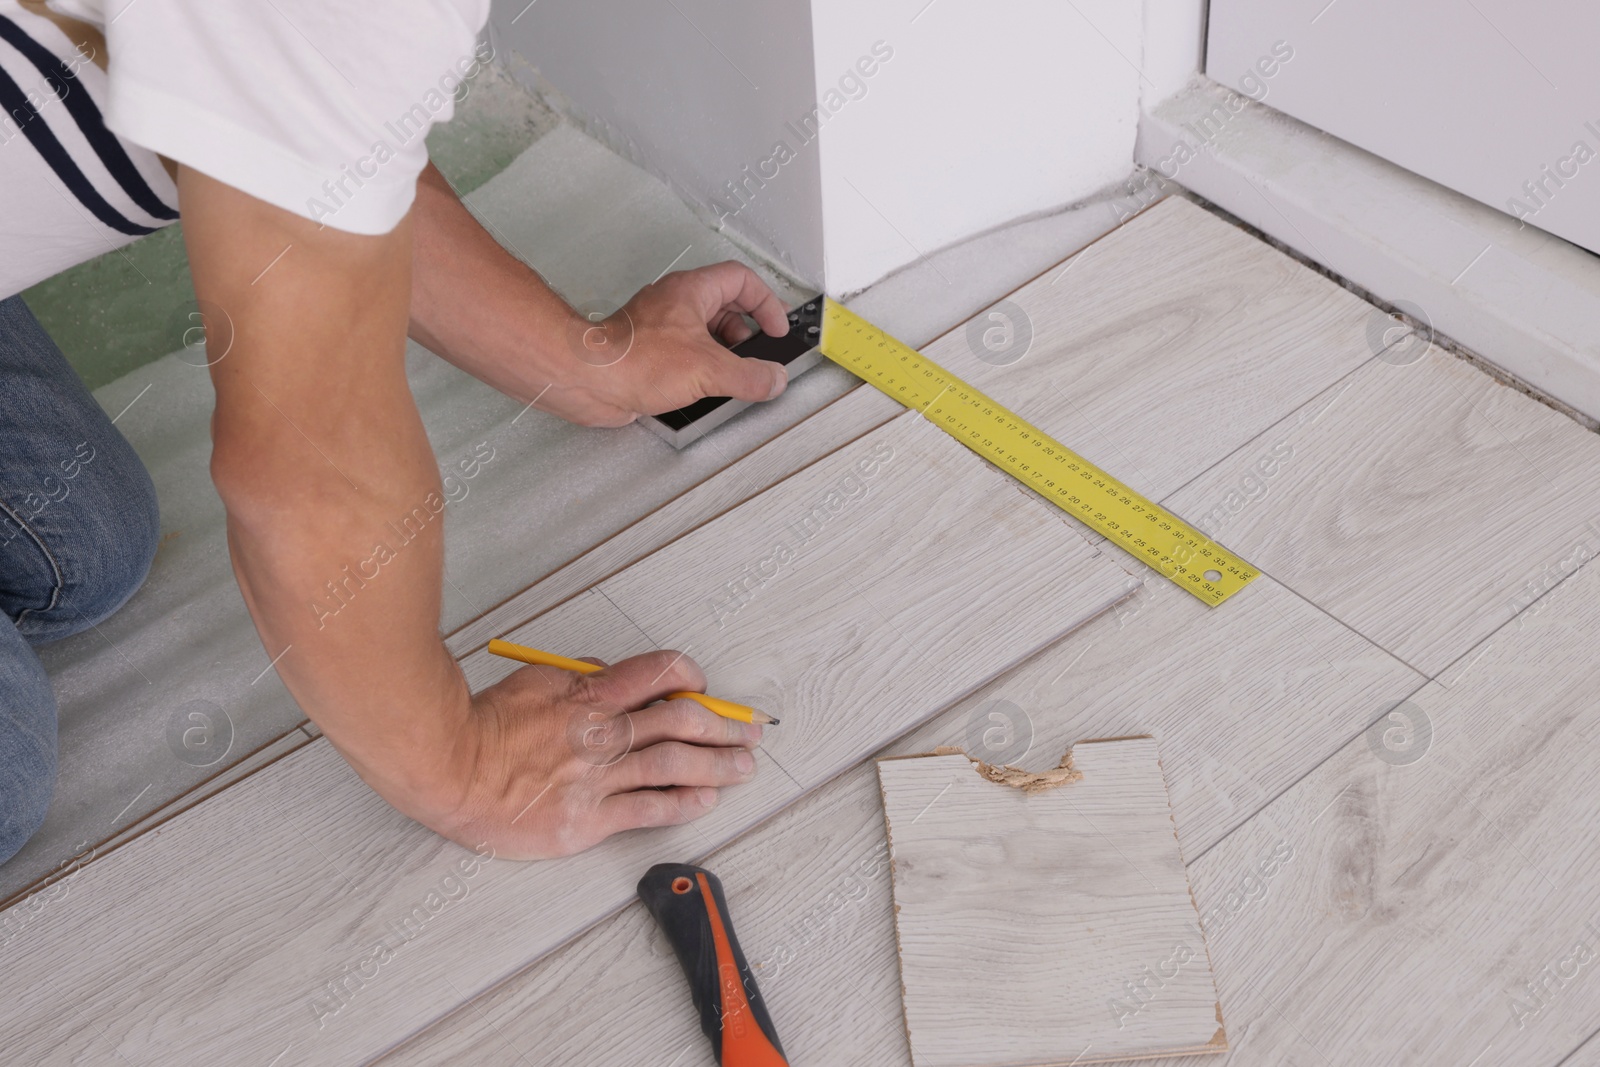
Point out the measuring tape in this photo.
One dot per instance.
(1035, 459)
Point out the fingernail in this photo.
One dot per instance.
(707, 795)
(752, 732)
(743, 762)
(780, 381)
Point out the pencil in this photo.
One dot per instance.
(726, 708)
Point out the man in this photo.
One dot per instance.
(289, 136)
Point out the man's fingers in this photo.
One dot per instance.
(734, 286)
(673, 763)
(684, 720)
(639, 680)
(655, 807)
(740, 377)
(731, 328)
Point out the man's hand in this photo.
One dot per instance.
(554, 762)
(336, 531)
(476, 305)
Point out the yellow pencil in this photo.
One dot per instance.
(726, 708)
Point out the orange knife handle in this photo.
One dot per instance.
(687, 902)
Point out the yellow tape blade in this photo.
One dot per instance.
(1162, 540)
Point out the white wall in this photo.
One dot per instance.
(1498, 99)
(849, 138)
(985, 113)
(697, 91)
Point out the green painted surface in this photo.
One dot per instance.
(117, 312)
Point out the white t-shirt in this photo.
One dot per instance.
(319, 107)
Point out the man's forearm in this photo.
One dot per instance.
(457, 265)
(476, 305)
(336, 530)
(333, 499)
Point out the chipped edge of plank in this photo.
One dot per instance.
(1030, 782)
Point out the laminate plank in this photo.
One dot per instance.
(1244, 699)
(1442, 903)
(1050, 927)
(852, 415)
(1586, 1055)
(1167, 344)
(1156, 351)
(263, 933)
(809, 893)
(88, 851)
(1423, 504)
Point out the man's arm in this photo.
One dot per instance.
(333, 502)
(479, 307)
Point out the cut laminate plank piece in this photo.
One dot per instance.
(1045, 927)
(1244, 700)
(1422, 504)
(1155, 352)
(303, 897)
(1438, 864)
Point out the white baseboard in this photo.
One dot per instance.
(1526, 302)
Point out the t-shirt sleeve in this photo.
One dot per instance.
(320, 107)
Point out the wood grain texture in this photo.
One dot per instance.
(809, 894)
(1155, 352)
(1587, 1055)
(1244, 699)
(825, 431)
(1420, 899)
(1421, 504)
(1222, 334)
(88, 852)
(1161, 348)
(261, 911)
(1045, 928)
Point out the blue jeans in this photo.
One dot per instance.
(78, 529)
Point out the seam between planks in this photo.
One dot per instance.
(596, 583)
(1575, 1049)
(735, 462)
(460, 1009)
(45, 881)
(1427, 681)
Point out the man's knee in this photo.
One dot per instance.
(78, 520)
(119, 506)
(89, 544)
(27, 743)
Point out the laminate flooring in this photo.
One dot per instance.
(1376, 754)
(1381, 587)
(272, 927)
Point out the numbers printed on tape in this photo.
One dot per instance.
(1084, 491)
